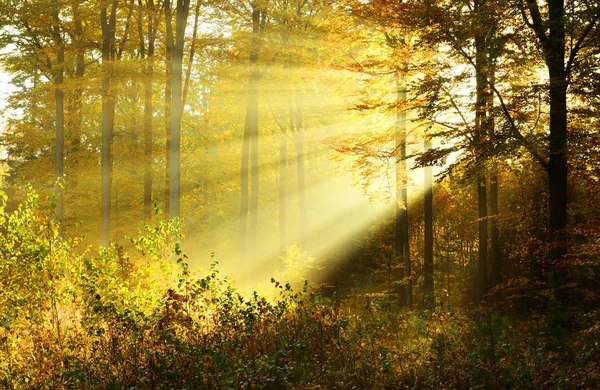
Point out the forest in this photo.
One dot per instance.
(299, 194)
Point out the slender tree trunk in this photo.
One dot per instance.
(147, 172)
(176, 107)
(480, 120)
(282, 192)
(401, 231)
(428, 282)
(249, 167)
(148, 139)
(188, 71)
(300, 169)
(244, 187)
(76, 102)
(169, 43)
(73, 109)
(108, 114)
(148, 103)
(59, 99)
(482, 273)
(494, 239)
(254, 183)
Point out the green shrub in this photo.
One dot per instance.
(73, 320)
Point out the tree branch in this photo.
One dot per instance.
(515, 129)
(580, 44)
(537, 23)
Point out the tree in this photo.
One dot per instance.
(249, 165)
(59, 98)
(552, 37)
(428, 266)
(181, 16)
(76, 100)
(152, 19)
(108, 21)
(481, 114)
(401, 229)
(470, 29)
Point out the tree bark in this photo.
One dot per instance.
(553, 49)
(300, 171)
(169, 43)
(496, 261)
(74, 111)
(193, 46)
(282, 192)
(176, 107)
(480, 136)
(108, 113)
(75, 138)
(249, 166)
(557, 167)
(553, 44)
(401, 233)
(428, 281)
(148, 103)
(59, 99)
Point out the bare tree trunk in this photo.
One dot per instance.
(249, 196)
(557, 168)
(401, 233)
(480, 120)
(108, 113)
(496, 261)
(152, 21)
(176, 107)
(282, 192)
(169, 43)
(59, 99)
(428, 282)
(75, 137)
(244, 189)
(193, 45)
(300, 169)
(551, 36)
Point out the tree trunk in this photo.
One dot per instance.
(249, 200)
(496, 278)
(557, 167)
(108, 114)
(148, 105)
(169, 43)
(176, 107)
(188, 71)
(282, 192)
(428, 281)
(75, 138)
(59, 99)
(300, 170)
(244, 188)
(553, 49)
(480, 120)
(401, 233)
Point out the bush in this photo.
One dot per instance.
(72, 320)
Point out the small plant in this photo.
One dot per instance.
(112, 321)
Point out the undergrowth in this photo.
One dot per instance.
(73, 319)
